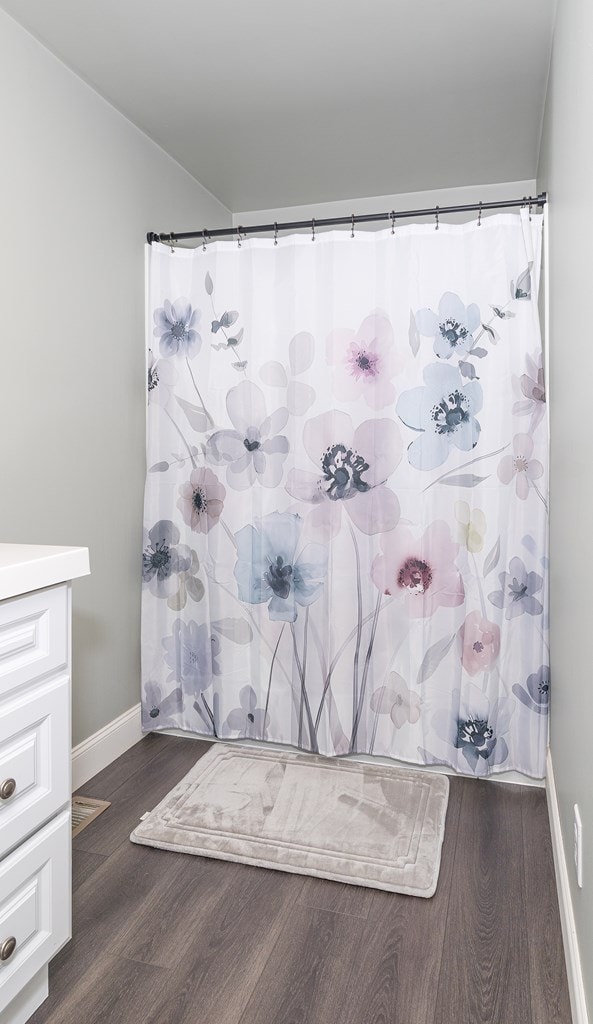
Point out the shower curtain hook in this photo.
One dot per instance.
(239, 237)
(352, 232)
(171, 237)
(313, 229)
(392, 222)
(204, 240)
(436, 213)
(275, 232)
(530, 204)
(480, 215)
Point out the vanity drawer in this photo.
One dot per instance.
(34, 758)
(33, 637)
(34, 905)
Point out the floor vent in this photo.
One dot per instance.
(85, 810)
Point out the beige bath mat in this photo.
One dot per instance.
(365, 824)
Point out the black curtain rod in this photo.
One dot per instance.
(363, 218)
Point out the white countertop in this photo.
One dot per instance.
(26, 567)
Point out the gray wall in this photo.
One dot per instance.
(566, 170)
(80, 188)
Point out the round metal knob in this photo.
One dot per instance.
(7, 948)
(7, 788)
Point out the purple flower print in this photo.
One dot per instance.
(535, 695)
(255, 450)
(160, 708)
(452, 328)
(247, 720)
(163, 558)
(191, 653)
(175, 327)
(518, 588)
(351, 469)
(520, 466)
(364, 362)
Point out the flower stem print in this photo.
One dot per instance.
(228, 532)
(265, 720)
(210, 715)
(185, 442)
(358, 625)
(365, 672)
(539, 494)
(305, 697)
(253, 619)
(221, 323)
(378, 705)
(489, 641)
(464, 465)
(197, 390)
(305, 639)
(338, 737)
(336, 658)
(479, 583)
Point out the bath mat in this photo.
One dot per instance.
(85, 810)
(364, 824)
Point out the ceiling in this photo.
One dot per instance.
(275, 103)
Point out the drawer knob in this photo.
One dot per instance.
(7, 948)
(7, 788)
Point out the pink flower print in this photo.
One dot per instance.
(201, 500)
(364, 362)
(530, 388)
(397, 701)
(422, 572)
(351, 469)
(520, 466)
(480, 643)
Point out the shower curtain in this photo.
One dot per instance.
(346, 498)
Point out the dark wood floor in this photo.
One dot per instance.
(164, 938)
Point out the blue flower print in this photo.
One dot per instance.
(535, 695)
(517, 591)
(443, 412)
(476, 727)
(175, 327)
(269, 570)
(452, 328)
(191, 653)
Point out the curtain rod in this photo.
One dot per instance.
(363, 218)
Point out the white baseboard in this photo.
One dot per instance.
(99, 750)
(569, 935)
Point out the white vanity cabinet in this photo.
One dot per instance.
(35, 833)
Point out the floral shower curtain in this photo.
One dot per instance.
(346, 498)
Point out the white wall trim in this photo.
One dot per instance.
(99, 750)
(569, 934)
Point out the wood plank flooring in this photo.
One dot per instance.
(165, 938)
